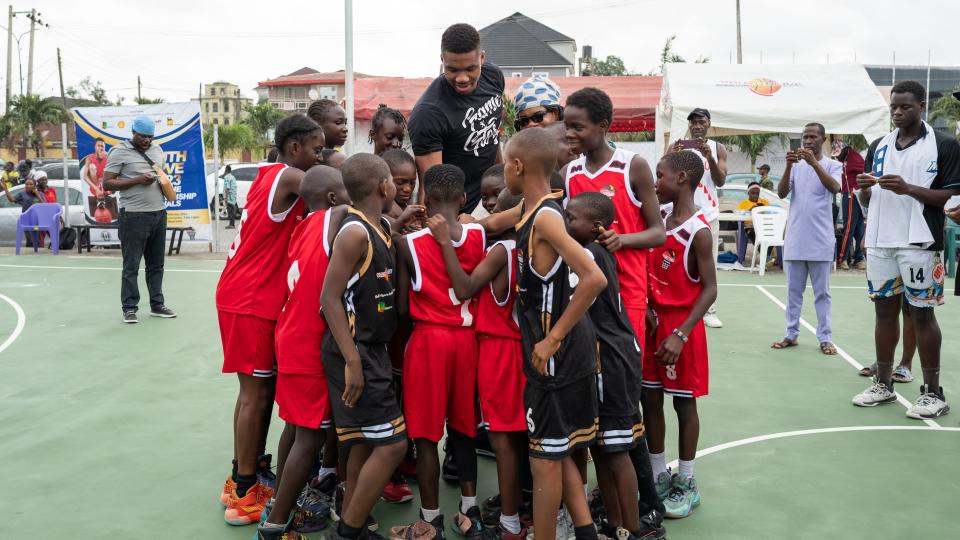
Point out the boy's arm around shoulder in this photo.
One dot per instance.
(465, 286)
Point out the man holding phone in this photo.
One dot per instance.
(909, 176)
(714, 157)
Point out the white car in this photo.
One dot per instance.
(245, 173)
(10, 212)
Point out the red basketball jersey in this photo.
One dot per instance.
(253, 281)
(495, 317)
(671, 285)
(432, 299)
(300, 327)
(613, 180)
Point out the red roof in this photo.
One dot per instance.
(304, 76)
(634, 98)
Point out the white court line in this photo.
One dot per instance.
(843, 354)
(860, 288)
(785, 434)
(165, 270)
(21, 321)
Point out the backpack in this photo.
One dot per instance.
(68, 238)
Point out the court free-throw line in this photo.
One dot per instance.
(785, 434)
(843, 354)
(21, 321)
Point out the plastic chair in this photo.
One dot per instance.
(950, 245)
(769, 224)
(40, 217)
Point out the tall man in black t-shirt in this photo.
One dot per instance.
(457, 119)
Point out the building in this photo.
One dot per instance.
(943, 80)
(523, 47)
(294, 92)
(222, 104)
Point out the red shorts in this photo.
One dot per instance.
(247, 344)
(303, 400)
(638, 319)
(500, 383)
(440, 381)
(689, 377)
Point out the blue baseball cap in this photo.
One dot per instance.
(143, 125)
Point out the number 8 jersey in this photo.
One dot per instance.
(432, 299)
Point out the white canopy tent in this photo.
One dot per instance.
(746, 99)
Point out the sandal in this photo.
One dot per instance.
(902, 375)
(784, 344)
(828, 348)
(869, 371)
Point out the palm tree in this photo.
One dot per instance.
(947, 108)
(28, 112)
(668, 56)
(230, 138)
(261, 118)
(753, 145)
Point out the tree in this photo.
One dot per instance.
(611, 66)
(261, 118)
(948, 109)
(230, 138)
(91, 92)
(668, 56)
(509, 117)
(147, 101)
(25, 116)
(753, 145)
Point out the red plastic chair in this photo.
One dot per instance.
(40, 217)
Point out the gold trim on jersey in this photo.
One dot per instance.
(558, 194)
(387, 239)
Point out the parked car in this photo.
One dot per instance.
(746, 178)
(10, 212)
(245, 173)
(731, 195)
(55, 170)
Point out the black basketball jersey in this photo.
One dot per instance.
(541, 300)
(370, 296)
(618, 350)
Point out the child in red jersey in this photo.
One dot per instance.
(250, 294)
(301, 384)
(683, 285)
(440, 362)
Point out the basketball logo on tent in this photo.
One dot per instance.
(764, 87)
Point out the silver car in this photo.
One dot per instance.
(10, 212)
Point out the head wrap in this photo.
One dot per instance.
(537, 92)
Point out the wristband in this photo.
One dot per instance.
(679, 334)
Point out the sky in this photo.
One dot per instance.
(175, 45)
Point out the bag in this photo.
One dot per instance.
(68, 238)
(166, 187)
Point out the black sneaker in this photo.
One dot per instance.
(450, 473)
(469, 524)
(130, 317)
(277, 534)
(492, 503)
(264, 473)
(163, 312)
(651, 526)
(499, 533)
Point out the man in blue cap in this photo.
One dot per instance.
(143, 217)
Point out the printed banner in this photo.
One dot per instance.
(178, 131)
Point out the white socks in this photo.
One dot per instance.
(324, 471)
(429, 515)
(510, 523)
(686, 468)
(659, 463)
(467, 503)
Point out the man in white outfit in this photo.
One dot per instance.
(714, 175)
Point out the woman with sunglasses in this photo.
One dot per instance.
(537, 103)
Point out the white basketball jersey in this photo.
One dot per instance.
(706, 195)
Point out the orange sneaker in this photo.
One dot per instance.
(228, 488)
(246, 510)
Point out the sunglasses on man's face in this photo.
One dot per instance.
(536, 118)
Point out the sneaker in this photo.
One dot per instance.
(130, 317)
(266, 510)
(366, 534)
(163, 312)
(651, 526)
(338, 493)
(229, 486)
(565, 530)
(664, 484)
(276, 534)
(469, 524)
(492, 503)
(397, 490)
(247, 509)
(844, 265)
(860, 265)
(492, 518)
(311, 512)
(928, 405)
(483, 445)
(683, 498)
(711, 320)
(419, 530)
(500, 533)
(877, 394)
(902, 375)
(450, 468)
(597, 510)
(264, 472)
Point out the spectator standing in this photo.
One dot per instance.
(230, 194)
(143, 217)
(10, 175)
(813, 179)
(851, 246)
(537, 103)
(765, 181)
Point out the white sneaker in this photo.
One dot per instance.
(711, 320)
(565, 529)
(877, 394)
(928, 405)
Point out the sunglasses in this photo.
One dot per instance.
(522, 121)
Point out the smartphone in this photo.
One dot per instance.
(794, 145)
(690, 144)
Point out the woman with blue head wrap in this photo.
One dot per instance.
(537, 103)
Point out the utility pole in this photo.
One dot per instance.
(138, 89)
(348, 73)
(63, 95)
(739, 41)
(33, 30)
(6, 107)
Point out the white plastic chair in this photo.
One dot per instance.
(769, 224)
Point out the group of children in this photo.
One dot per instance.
(530, 322)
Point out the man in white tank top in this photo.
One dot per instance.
(714, 157)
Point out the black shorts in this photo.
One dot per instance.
(561, 420)
(618, 384)
(376, 418)
(619, 433)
